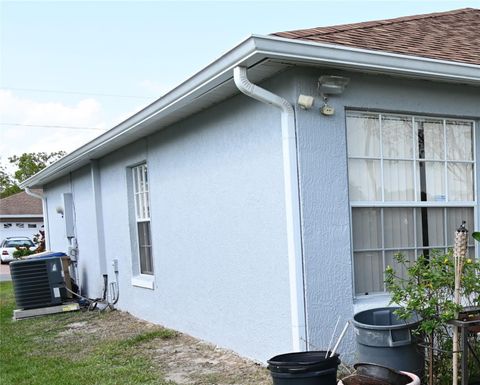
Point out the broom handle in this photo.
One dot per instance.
(340, 339)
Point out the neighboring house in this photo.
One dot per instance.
(242, 219)
(20, 215)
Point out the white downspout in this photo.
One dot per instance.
(45, 214)
(99, 222)
(292, 202)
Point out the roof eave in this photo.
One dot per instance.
(249, 52)
(371, 60)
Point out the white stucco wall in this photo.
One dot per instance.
(84, 209)
(55, 230)
(218, 228)
(217, 214)
(324, 184)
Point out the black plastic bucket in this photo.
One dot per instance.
(304, 368)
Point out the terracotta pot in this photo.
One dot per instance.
(414, 377)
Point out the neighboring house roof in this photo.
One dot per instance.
(450, 35)
(21, 205)
(264, 56)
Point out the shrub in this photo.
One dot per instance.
(428, 290)
(22, 251)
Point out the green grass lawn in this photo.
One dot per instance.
(46, 350)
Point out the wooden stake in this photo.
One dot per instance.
(459, 254)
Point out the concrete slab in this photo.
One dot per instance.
(5, 277)
(21, 314)
(5, 272)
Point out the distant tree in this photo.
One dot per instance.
(5, 179)
(7, 185)
(27, 165)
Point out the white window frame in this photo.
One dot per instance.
(416, 203)
(141, 203)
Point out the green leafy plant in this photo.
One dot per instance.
(22, 251)
(24, 165)
(427, 289)
(476, 236)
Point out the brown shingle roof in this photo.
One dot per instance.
(21, 204)
(453, 35)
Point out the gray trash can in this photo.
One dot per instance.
(384, 339)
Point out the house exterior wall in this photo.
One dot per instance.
(324, 184)
(217, 213)
(89, 271)
(55, 232)
(217, 222)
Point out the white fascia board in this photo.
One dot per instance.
(215, 73)
(249, 52)
(368, 60)
(21, 216)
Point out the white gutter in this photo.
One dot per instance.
(45, 214)
(349, 58)
(215, 73)
(249, 53)
(32, 194)
(292, 202)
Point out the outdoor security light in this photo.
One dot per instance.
(59, 210)
(331, 84)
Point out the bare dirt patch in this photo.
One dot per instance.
(185, 360)
(180, 359)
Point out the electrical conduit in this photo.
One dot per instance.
(292, 201)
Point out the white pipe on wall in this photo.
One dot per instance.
(99, 222)
(292, 202)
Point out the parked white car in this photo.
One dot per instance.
(10, 244)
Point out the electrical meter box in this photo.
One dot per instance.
(68, 215)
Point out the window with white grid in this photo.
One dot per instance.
(411, 184)
(142, 217)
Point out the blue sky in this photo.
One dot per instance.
(111, 58)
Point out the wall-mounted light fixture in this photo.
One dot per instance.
(330, 85)
(305, 102)
(59, 210)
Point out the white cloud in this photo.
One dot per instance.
(125, 115)
(155, 88)
(16, 139)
